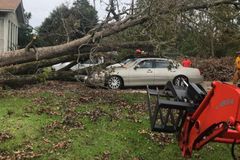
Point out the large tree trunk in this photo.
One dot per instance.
(32, 67)
(19, 81)
(22, 56)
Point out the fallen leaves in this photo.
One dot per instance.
(53, 126)
(65, 125)
(28, 153)
(55, 146)
(159, 138)
(5, 136)
(18, 155)
(48, 111)
(62, 145)
(72, 122)
(104, 156)
(85, 99)
(25, 154)
(62, 105)
(95, 114)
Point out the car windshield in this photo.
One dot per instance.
(128, 61)
(132, 63)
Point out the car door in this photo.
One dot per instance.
(163, 72)
(142, 73)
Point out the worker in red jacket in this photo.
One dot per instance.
(186, 62)
(138, 53)
(236, 76)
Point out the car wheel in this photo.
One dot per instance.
(179, 81)
(114, 82)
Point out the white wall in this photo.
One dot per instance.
(8, 32)
(12, 35)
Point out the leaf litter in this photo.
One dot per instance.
(69, 115)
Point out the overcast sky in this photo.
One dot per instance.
(41, 9)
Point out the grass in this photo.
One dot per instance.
(39, 124)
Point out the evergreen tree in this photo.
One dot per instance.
(68, 23)
(25, 31)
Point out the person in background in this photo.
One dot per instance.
(138, 53)
(186, 62)
(131, 57)
(135, 55)
(236, 75)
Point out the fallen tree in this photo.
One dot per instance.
(19, 81)
(29, 59)
(32, 67)
(101, 31)
(23, 56)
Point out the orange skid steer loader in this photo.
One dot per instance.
(197, 117)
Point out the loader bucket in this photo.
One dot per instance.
(168, 108)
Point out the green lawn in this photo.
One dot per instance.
(54, 122)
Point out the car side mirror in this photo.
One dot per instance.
(136, 67)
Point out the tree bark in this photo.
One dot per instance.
(32, 67)
(21, 56)
(19, 81)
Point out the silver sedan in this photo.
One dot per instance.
(150, 71)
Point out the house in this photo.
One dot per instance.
(11, 17)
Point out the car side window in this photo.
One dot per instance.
(161, 64)
(146, 64)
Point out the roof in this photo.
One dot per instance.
(13, 6)
(9, 5)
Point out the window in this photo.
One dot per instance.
(162, 64)
(16, 40)
(2, 35)
(12, 36)
(9, 35)
(146, 64)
